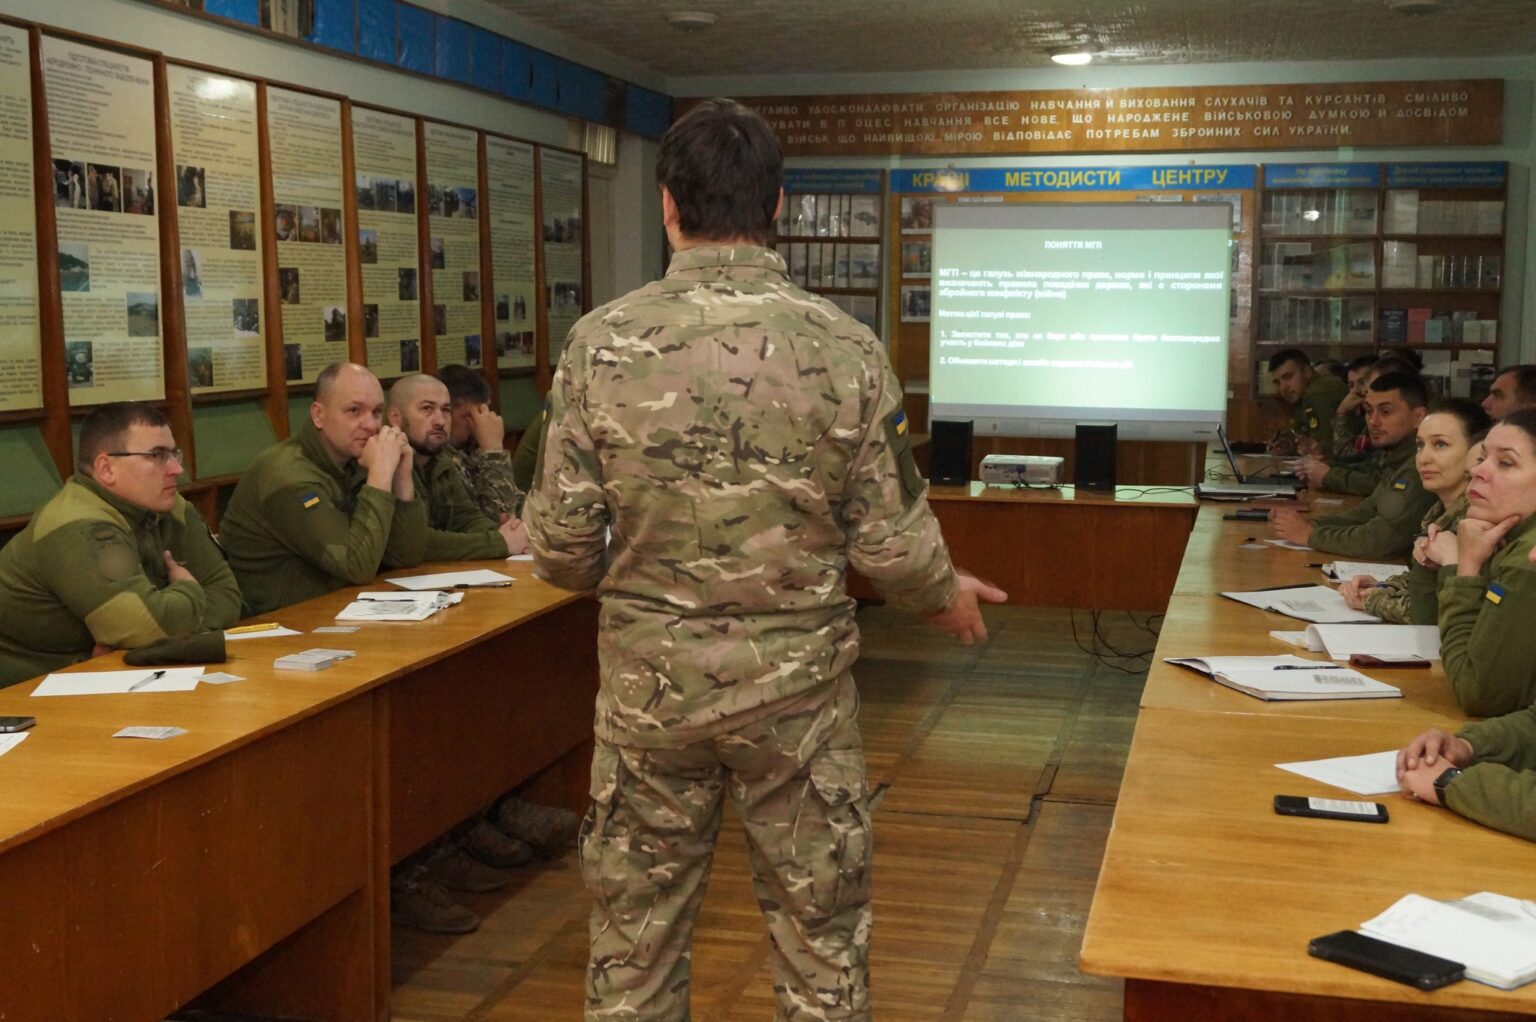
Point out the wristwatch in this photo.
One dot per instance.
(1445, 778)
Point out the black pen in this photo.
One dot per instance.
(1309, 667)
(480, 585)
(154, 676)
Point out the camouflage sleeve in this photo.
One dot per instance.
(405, 545)
(566, 512)
(494, 483)
(1346, 427)
(1389, 600)
(468, 535)
(894, 539)
(103, 583)
(206, 562)
(349, 547)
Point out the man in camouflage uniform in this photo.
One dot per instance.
(456, 530)
(1313, 396)
(116, 559)
(329, 505)
(745, 442)
(476, 444)
(1384, 524)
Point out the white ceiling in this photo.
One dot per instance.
(766, 37)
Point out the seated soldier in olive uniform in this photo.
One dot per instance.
(1353, 472)
(456, 530)
(1313, 396)
(476, 444)
(116, 559)
(1384, 524)
(526, 458)
(330, 505)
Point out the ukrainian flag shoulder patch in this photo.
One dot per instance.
(1401, 484)
(1495, 594)
(310, 500)
(899, 420)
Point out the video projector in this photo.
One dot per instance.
(1021, 470)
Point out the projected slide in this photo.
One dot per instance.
(1044, 316)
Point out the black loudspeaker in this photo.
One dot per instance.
(1095, 455)
(949, 453)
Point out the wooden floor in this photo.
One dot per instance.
(997, 770)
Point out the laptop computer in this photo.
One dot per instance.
(1273, 477)
(1248, 486)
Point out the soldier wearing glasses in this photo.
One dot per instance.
(117, 559)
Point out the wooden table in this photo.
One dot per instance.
(1067, 548)
(251, 855)
(1207, 899)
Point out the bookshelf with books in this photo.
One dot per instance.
(829, 232)
(1355, 257)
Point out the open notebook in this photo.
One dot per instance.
(1280, 678)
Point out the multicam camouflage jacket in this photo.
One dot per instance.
(744, 442)
(489, 478)
(1408, 598)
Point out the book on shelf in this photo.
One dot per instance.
(1402, 215)
(1399, 264)
(1394, 326)
(1416, 319)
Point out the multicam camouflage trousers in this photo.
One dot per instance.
(797, 781)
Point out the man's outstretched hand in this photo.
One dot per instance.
(962, 618)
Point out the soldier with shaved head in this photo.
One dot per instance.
(330, 505)
(722, 446)
(420, 407)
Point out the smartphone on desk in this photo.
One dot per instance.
(1389, 961)
(1330, 809)
(1392, 661)
(10, 725)
(1248, 514)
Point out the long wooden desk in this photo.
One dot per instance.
(1068, 548)
(1207, 899)
(249, 858)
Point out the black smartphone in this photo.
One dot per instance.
(1248, 515)
(11, 724)
(1394, 661)
(1330, 809)
(1388, 961)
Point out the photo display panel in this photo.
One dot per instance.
(560, 184)
(305, 133)
(453, 208)
(21, 380)
(218, 201)
(514, 240)
(1045, 315)
(101, 122)
(384, 153)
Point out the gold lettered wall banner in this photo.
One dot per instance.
(21, 380)
(101, 121)
(1160, 119)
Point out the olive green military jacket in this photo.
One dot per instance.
(89, 569)
(1487, 642)
(744, 442)
(1410, 597)
(298, 526)
(1384, 524)
(1357, 477)
(1314, 412)
(525, 460)
(487, 475)
(1499, 789)
(456, 530)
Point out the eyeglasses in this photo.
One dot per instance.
(159, 455)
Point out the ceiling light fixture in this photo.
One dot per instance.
(1072, 56)
(691, 21)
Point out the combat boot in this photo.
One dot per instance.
(549, 830)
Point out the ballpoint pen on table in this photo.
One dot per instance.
(152, 676)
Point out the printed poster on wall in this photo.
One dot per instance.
(101, 107)
(453, 207)
(218, 197)
(509, 180)
(307, 188)
(560, 181)
(384, 152)
(21, 382)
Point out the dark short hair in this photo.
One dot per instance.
(1285, 355)
(1406, 356)
(1474, 420)
(464, 384)
(722, 165)
(1362, 362)
(103, 429)
(1331, 366)
(1525, 382)
(327, 377)
(1524, 420)
(1415, 394)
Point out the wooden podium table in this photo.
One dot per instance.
(249, 858)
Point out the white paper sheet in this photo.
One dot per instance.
(268, 633)
(101, 683)
(9, 742)
(1318, 603)
(1343, 570)
(1341, 642)
(478, 578)
(157, 734)
(1374, 773)
(1285, 544)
